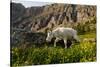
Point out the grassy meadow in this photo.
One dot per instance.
(85, 51)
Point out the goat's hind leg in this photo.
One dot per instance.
(65, 42)
(56, 40)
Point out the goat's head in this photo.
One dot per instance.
(49, 36)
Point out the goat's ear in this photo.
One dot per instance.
(47, 30)
(50, 30)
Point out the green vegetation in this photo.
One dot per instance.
(83, 52)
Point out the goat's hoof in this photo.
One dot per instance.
(65, 47)
(54, 46)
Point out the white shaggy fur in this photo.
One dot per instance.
(62, 33)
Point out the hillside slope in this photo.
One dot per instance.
(49, 16)
(31, 24)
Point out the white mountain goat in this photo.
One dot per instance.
(62, 33)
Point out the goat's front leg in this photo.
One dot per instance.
(56, 40)
(65, 42)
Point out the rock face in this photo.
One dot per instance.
(48, 16)
(17, 10)
(43, 18)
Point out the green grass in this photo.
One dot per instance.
(88, 35)
(83, 52)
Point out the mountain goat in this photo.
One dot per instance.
(62, 33)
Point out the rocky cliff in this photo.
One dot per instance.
(49, 16)
(43, 18)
